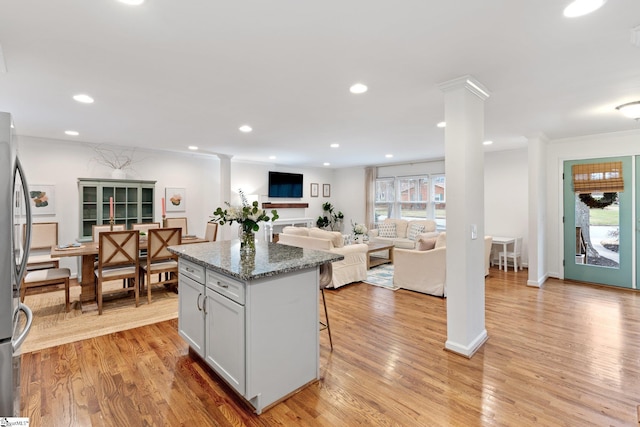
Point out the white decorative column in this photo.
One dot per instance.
(537, 153)
(464, 166)
(225, 190)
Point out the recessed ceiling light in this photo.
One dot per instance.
(132, 2)
(582, 7)
(335, 145)
(85, 99)
(487, 143)
(388, 156)
(358, 88)
(193, 147)
(442, 124)
(245, 128)
(72, 132)
(326, 164)
(272, 157)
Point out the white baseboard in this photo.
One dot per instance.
(467, 350)
(538, 283)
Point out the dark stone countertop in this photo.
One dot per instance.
(270, 259)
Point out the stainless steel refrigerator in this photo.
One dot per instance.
(15, 238)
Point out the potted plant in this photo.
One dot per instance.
(330, 220)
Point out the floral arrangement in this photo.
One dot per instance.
(247, 215)
(359, 229)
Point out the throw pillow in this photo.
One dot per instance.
(426, 244)
(414, 230)
(387, 230)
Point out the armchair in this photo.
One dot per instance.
(421, 271)
(353, 268)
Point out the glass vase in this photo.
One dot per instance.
(247, 242)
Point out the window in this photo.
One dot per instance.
(439, 201)
(384, 199)
(416, 197)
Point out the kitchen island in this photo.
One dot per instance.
(253, 319)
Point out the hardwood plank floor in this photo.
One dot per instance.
(566, 354)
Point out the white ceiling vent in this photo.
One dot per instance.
(3, 66)
(635, 36)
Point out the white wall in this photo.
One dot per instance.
(593, 146)
(61, 163)
(350, 197)
(252, 178)
(506, 195)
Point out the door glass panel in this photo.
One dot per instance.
(597, 229)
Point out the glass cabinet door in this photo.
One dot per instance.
(132, 203)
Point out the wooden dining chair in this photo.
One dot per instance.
(159, 259)
(211, 232)
(97, 229)
(44, 236)
(177, 222)
(45, 278)
(118, 260)
(145, 226)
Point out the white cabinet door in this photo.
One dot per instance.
(225, 342)
(191, 314)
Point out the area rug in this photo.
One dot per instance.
(382, 276)
(53, 326)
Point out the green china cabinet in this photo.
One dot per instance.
(133, 202)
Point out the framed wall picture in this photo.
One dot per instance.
(43, 199)
(175, 199)
(326, 190)
(315, 189)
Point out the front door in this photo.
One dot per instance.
(599, 227)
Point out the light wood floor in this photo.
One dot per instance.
(567, 354)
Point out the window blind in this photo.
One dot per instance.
(598, 177)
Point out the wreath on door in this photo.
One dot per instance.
(607, 199)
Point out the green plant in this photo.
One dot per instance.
(330, 220)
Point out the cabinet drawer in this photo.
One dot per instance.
(191, 270)
(231, 288)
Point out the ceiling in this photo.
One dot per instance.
(169, 74)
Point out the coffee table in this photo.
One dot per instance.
(378, 247)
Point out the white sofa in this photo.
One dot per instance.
(353, 268)
(425, 271)
(401, 233)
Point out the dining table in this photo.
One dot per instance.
(88, 252)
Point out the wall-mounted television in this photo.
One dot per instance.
(283, 184)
